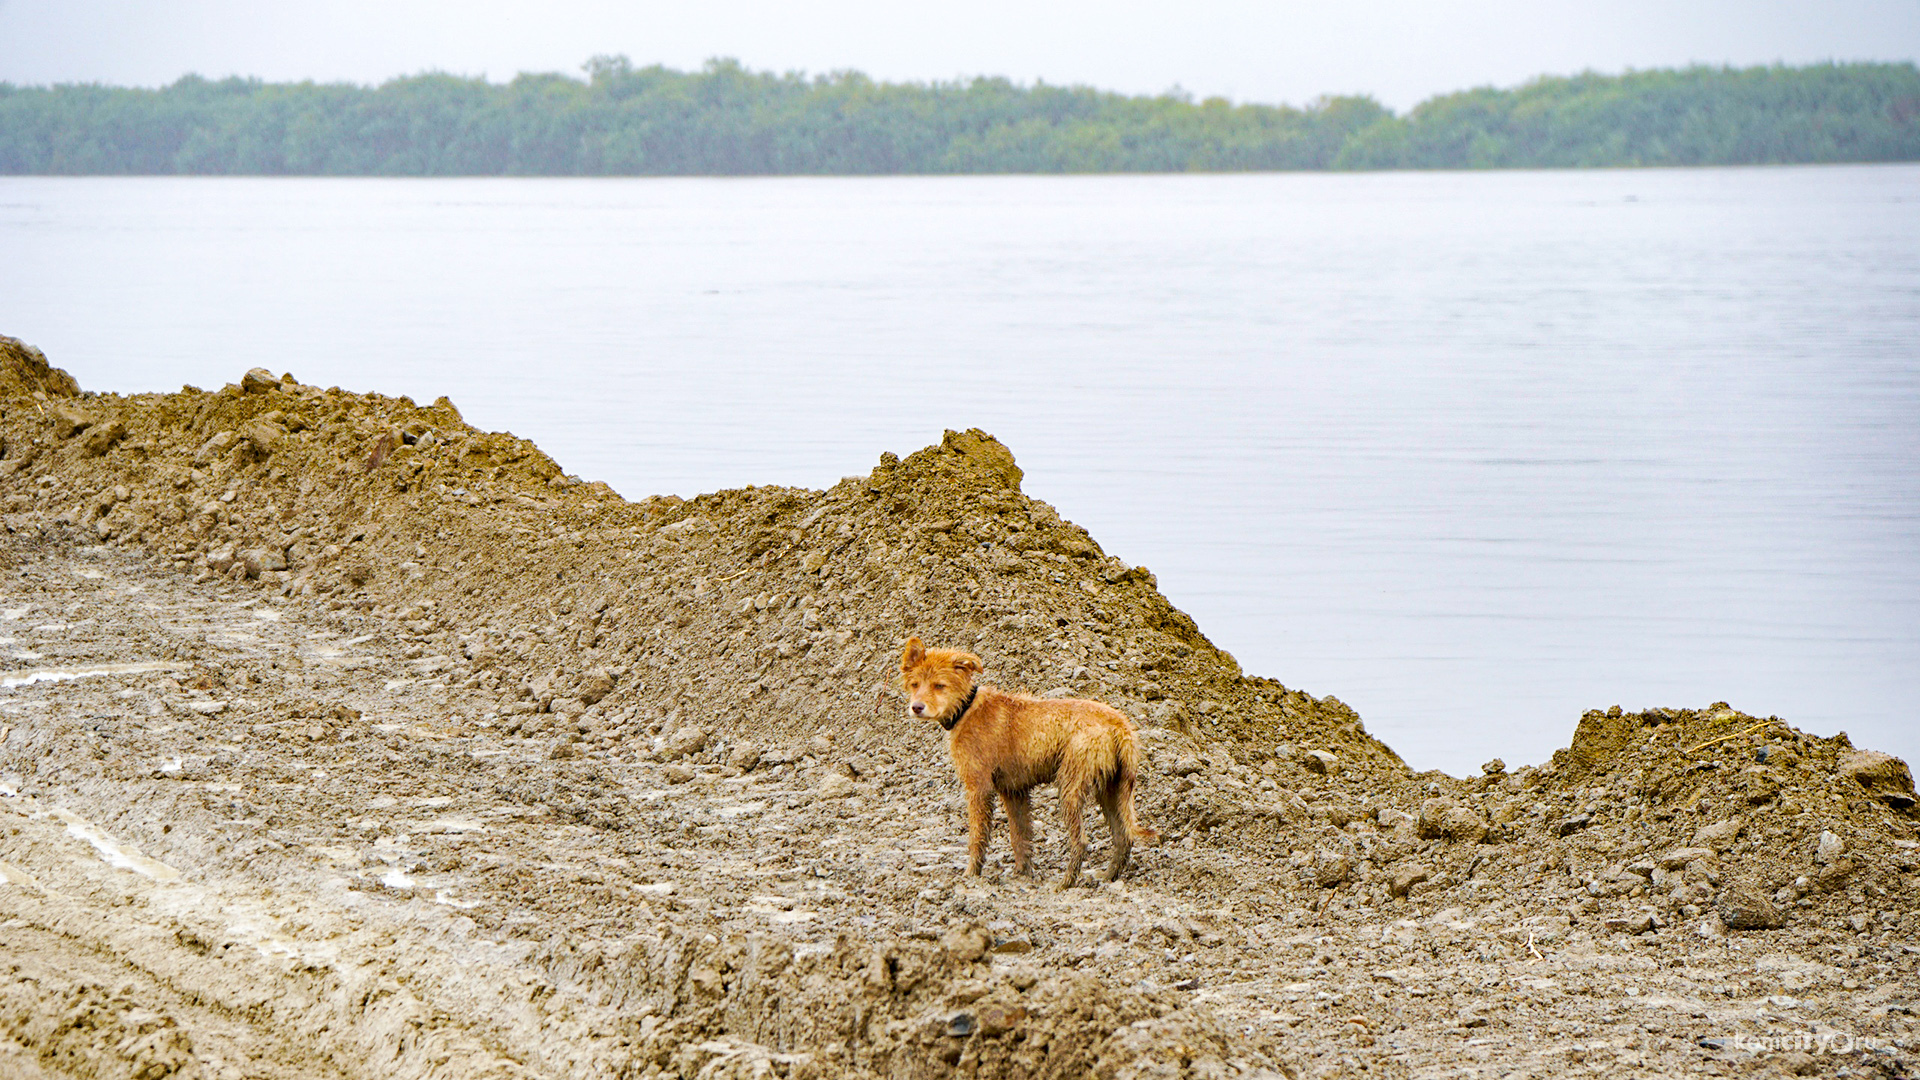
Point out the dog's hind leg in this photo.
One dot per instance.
(1020, 823)
(1111, 795)
(979, 825)
(1126, 778)
(1073, 797)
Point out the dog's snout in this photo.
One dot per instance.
(919, 708)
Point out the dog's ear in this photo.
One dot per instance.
(914, 654)
(968, 664)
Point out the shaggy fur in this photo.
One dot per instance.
(1007, 744)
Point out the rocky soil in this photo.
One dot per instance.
(341, 739)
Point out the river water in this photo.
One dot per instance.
(1473, 452)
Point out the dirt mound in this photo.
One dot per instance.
(786, 604)
(25, 373)
(712, 834)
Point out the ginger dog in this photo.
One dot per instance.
(1007, 744)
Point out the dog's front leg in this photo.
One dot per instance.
(979, 825)
(1020, 825)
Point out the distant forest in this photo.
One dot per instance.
(726, 120)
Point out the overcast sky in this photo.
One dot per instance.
(1400, 51)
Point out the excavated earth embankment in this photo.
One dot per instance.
(339, 738)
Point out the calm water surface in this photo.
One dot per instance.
(1474, 452)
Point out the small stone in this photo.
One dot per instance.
(1294, 809)
(218, 444)
(1745, 908)
(960, 1025)
(101, 437)
(1432, 813)
(820, 745)
(1637, 923)
(261, 560)
(1718, 834)
(562, 751)
(1885, 777)
(684, 742)
(966, 944)
(1567, 826)
(258, 380)
(1678, 858)
(1831, 847)
(1405, 878)
(1391, 818)
(837, 785)
(221, 559)
(676, 774)
(69, 419)
(1187, 766)
(263, 435)
(1331, 868)
(1000, 1019)
(1187, 984)
(595, 686)
(744, 757)
(1471, 1020)
(1322, 762)
(1859, 921)
(1012, 946)
(1496, 767)
(1462, 825)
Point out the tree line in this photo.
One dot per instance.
(724, 119)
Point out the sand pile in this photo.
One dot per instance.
(701, 692)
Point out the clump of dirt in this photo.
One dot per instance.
(625, 788)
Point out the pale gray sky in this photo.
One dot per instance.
(1401, 51)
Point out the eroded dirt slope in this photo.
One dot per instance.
(390, 750)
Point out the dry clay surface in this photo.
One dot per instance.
(338, 738)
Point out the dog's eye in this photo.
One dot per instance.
(939, 686)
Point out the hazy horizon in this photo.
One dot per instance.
(1396, 51)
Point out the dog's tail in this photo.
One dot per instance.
(1124, 780)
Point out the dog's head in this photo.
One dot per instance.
(936, 681)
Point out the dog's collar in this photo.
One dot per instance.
(961, 712)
